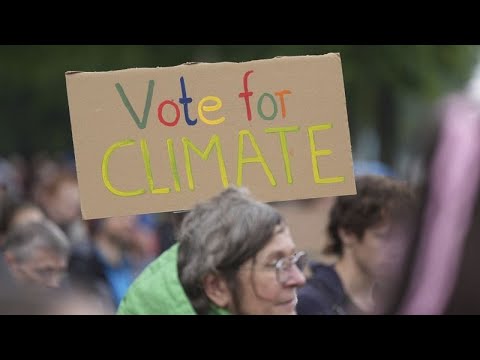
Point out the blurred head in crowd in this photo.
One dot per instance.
(9, 180)
(368, 234)
(116, 237)
(14, 212)
(117, 229)
(361, 226)
(25, 213)
(37, 252)
(23, 300)
(78, 300)
(60, 199)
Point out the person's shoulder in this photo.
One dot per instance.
(157, 290)
(82, 250)
(321, 293)
(325, 278)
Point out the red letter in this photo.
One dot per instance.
(246, 94)
(160, 113)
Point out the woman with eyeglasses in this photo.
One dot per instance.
(235, 255)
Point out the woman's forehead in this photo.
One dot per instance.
(281, 242)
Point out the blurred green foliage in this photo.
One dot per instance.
(34, 110)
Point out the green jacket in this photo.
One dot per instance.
(158, 290)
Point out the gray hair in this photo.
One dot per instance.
(22, 240)
(218, 236)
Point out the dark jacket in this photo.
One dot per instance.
(85, 270)
(323, 294)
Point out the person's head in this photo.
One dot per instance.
(237, 253)
(37, 252)
(9, 179)
(61, 200)
(16, 212)
(25, 213)
(365, 227)
(119, 231)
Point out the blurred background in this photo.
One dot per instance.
(390, 91)
(387, 87)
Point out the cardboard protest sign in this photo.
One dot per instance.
(163, 139)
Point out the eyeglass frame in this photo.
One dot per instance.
(289, 261)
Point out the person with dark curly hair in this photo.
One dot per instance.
(367, 233)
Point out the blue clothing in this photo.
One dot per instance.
(323, 294)
(87, 267)
(120, 277)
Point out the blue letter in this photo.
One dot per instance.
(185, 101)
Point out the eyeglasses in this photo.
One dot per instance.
(46, 274)
(49, 273)
(283, 266)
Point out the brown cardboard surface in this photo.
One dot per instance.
(128, 163)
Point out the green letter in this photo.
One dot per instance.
(146, 110)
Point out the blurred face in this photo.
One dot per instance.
(379, 252)
(44, 267)
(27, 215)
(261, 289)
(120, 229)
(64, 206)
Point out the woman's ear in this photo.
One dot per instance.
(217, 290)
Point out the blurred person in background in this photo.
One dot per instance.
(59, 197)
(10, 180)
(20, 299)
(20, 213)
(234, 255)
(37, 253)
(14, 213)
(9, 195)
(444, 267)
(168, 228)
(24, 213)
(112, 258)
(368, 234)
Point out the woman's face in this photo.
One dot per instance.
(260, 289)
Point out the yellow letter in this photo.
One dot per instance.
(202, 108)
(215, 140)
(259, 158)
(283, 143)
(148, 170)
(316, 153)
(106, 177)
(173, 165)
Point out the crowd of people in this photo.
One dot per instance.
(400, 247)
